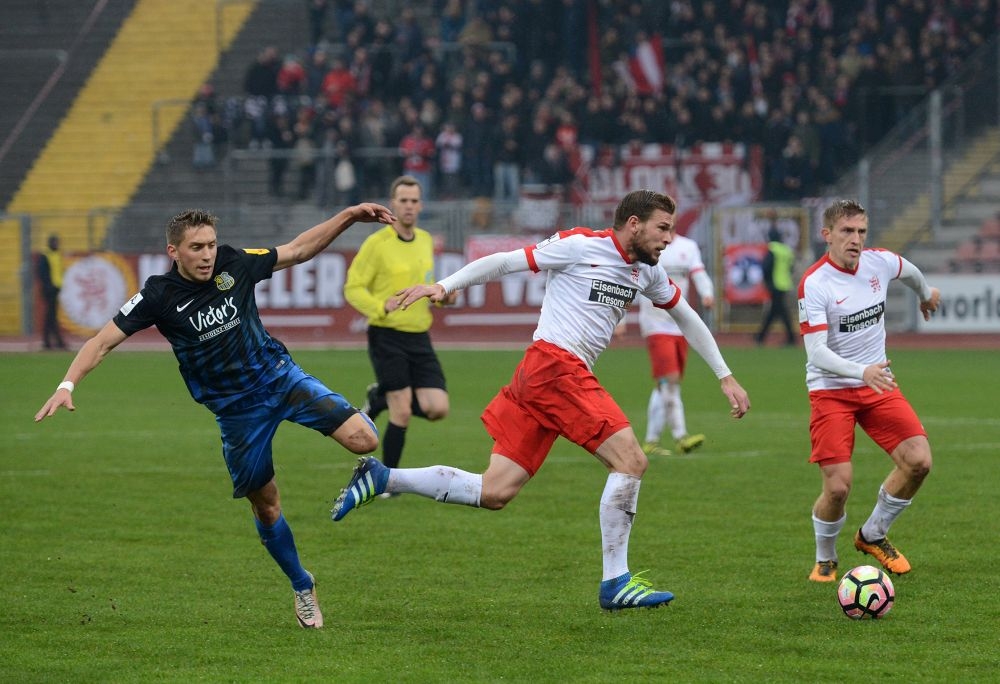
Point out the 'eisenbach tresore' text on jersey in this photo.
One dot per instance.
(214, 328)
(590, 283)
(850, 307)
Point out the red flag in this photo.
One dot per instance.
(647, 65)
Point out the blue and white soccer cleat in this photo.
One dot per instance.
(627, 591)
(367, 482)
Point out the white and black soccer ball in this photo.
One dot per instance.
(866, 592)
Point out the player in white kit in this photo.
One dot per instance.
(668, 348)
(592, 277)
(842, 318)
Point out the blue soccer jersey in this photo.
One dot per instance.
(214, 327)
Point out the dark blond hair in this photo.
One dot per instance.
(641, 204)
(844, 208)
(189, 219)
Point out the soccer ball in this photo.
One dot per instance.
(866, 592)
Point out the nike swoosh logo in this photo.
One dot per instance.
(184, 306)
(841, 301)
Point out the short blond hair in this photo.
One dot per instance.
(843, 208)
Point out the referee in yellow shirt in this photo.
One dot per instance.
(410, 381)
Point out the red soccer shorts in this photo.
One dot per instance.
(552, 393)
(887, 418)
(667, 354)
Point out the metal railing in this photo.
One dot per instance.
(912, 159)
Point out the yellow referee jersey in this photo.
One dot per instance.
(384, 265)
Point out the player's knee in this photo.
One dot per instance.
(837, 493)
(914, 458)
(635, 463)
(361, 441)
(367, 442)
(919, 468)
(267, 514)
(436, 413)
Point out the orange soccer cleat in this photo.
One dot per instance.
(884, 552)
(824, 571)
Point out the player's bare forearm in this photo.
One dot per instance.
(87, 359)
(931, 305)
(313, 241)
(739, 400)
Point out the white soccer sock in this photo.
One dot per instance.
(618, 504)
(656, 416)
(675, 411)
(887, 509)
(826, 537)
(441, 483)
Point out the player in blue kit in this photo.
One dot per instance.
(205, 307)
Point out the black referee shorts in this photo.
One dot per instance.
(403, 359)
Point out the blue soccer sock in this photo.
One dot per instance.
(280, 543)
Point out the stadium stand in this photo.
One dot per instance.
(47, 51)
(101, 148)
(813, 83)
(980, 253)
(831, 78)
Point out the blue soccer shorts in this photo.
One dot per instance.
(248, 426)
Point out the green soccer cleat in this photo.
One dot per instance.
(654, 449)
(689, 443)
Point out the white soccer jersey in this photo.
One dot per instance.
(680, 260)
(589, 286)
(850, 306)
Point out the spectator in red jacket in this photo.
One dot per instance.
(418, 151)
(339, 84)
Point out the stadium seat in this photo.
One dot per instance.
(989, 256)
(990, 229)
(966, 257)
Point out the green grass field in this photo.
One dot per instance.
(125, 559)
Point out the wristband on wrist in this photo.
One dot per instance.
(66, 385)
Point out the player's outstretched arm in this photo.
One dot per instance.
(87, 359)
(435, 292)
(313, 241)
(482, 270)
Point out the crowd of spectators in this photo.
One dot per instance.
(482, 96)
